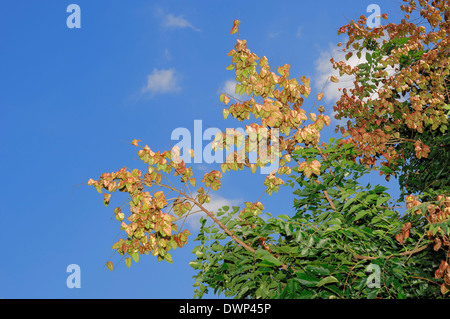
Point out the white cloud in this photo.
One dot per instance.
(218, 201)
(229, 88)
(177, 22)
(167, 55)
(299, 32)
(324, 70)
(193, 221)
(273, 34)
(162, 81)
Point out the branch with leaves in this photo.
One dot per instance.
(339, 225)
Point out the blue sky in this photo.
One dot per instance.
(73, 99)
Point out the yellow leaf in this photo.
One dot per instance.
(305, 81)
(120, 216)
(287, 157)
(135, 142)
(302, 166)
(106, 198)
(321, 109)
(315, 167)
(334, 79)
(235, 26)
(308, 171)
(319, 96)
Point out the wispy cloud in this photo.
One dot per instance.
(213, 206)
(161, 82)
(171, 21)
(298, 34)
(167, 55)
(324, 70)
(229, 88)
(273, 34)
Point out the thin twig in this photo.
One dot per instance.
(330, 201)
(425, 279)
(405, 253)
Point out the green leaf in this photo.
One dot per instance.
(217, 248)
(333, 228)
(354, 208)
(287, 249)
(327, 280)
(363, 66)
(371, 197)
(195, 265)
(306, 280)
(267, 257)
(348, 203)
(168, 258)
(386, 170)
(318, 270)
(380, 189)
(224, 220)
(128, 262)
(322, 216)
(382, 200)
(361, 214)
(135, 256)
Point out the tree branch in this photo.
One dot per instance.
(327, 197)
(405, 253)
(221, 225)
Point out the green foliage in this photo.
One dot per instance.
(416, 173)
(344, 240)
(318, 252)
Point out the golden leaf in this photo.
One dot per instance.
(334, 79)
